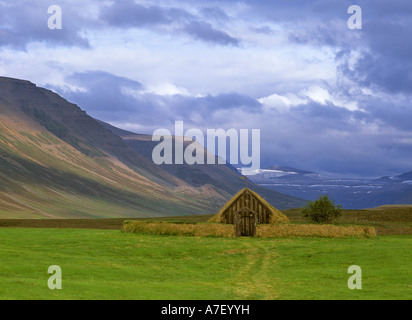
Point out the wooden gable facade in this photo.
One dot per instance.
(247, 209)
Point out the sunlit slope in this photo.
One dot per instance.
(56, 161)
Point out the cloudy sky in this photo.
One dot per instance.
(326, 98)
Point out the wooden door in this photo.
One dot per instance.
(245, 222)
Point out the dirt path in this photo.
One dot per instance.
(251, 280)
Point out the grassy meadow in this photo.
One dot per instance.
(98, 261)
(109, 264)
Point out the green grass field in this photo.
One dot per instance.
(109, 264)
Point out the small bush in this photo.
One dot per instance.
(322, 210)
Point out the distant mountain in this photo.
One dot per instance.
(350, 193)
(58, 162)
(407, 176)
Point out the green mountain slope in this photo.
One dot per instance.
(58, 162)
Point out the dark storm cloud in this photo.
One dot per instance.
(25, 22)
(131, 14)
(102, 80)
(205, 31)
(214, 13)
(262, 30)
(128, 14)
(103, 97)
(112, 98)
(386, 62)
(286, 10)
(382, 73)
(321, 115)
(392, 112)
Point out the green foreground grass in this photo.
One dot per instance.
(108, 264)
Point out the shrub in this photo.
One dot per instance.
(322, 210)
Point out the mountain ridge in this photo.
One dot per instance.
(223, 176)
(57, 161)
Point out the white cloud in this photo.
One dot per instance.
(164, 89)
(317, 94)
(282, 103)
